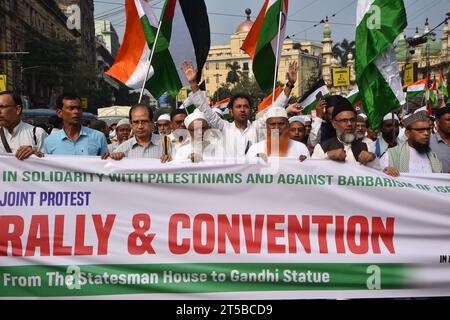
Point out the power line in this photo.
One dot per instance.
(323, 21)
(304, 7)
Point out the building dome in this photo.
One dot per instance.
(402, 50)
(247, 24)
(326, 29)
(435, 47)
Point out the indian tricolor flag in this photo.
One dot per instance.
(310, 98)
(261, 42)
(131, 64)
(268, 101)
(416, 89)
(378, 24)
(222, 105)
(184, 35)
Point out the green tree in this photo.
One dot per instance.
(234, 73)
(342, 49)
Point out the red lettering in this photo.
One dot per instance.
(58, 248)
(363, 246)
(140, 233)
(80, 248)
(297, 231)
(208, 247)
(14, 236)
(39, 224)
(339, 234)
(322, 222)
(174, 247)
(103, 231)
(231, 231)
(385, 232)
(253, 239)
(273, 234)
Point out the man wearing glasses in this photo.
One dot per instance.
(414, 155)
(18, 137)
(345, 146)
(144, 144)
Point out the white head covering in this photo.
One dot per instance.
(307, 118)
(297, 119)
(424, 108)
(123, 122)
(194, 116)
(389, 117)
(164, 117)
(277, 112)
(362, 115)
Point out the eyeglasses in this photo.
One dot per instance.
(421, 129)
(140, 122)
(351, 120)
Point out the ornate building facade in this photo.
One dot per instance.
(215, 72)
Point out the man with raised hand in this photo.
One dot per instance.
(241, 134)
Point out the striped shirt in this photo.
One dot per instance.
(133, 149)
(23, 136)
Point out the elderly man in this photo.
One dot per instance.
(279, 142)
(345, 146)
(440, 141)
(123, 131)
(179, 135)
(17, 137)
(144, 144)
(74, 139)
(240, 134)
(414, 155)
(199, 147)
(163, 124)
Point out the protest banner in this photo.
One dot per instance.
(138, 229)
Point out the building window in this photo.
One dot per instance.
(245, 66)
(207, 66)
(207, 80)
(217, 66)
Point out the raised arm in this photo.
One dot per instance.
(198, 98)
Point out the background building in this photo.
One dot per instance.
(221, 57)
(105, 30)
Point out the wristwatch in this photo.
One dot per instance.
(290, 85)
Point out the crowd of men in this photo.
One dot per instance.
(416, 143)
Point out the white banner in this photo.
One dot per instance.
(83, 227)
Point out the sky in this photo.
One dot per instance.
(226, 15)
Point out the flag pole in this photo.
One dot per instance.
(277, 58)
(150, 61)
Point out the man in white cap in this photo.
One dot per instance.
(297, 130)
(278, 142)
(123, 131)
(390, 128)
(163, 123)
(240, 134)
(414, 155)
(199, 147)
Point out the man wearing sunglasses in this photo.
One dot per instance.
(414, 155)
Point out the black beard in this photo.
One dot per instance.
(421, 148)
